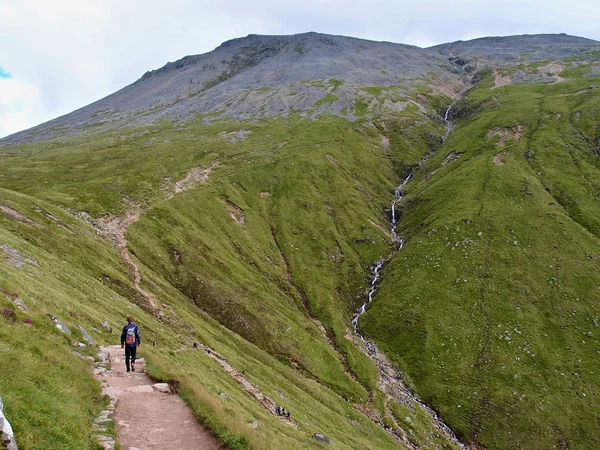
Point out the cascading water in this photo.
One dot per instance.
(390, 376)
(447, 114)
(400, 243)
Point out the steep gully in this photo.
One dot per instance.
(391, 379)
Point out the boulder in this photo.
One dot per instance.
(85, 335)
(20, 304)
(59, 324)
(7, 437)
(319, 437)
(162, 387)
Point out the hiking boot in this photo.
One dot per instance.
(132, 368)
(127, 368)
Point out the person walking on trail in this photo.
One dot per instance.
(130, 339)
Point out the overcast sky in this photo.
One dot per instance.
(59, 55)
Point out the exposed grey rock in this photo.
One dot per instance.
(512, 48)
(59, 324)
(14, 257)
(319, 437)
(7, 436)
(85, 334)
(162, 387)
(106, 326)
(20, 304)
(79, 344)
(277, 75)
(84, 357)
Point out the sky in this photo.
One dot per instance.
(60, 55)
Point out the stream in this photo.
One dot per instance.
(398, 196)
(391, 379)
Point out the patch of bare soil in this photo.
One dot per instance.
(500, 80)
(552, 70)
(499, 159)
(13, 214)
(114, 228)
(148, 416)
(196, 175)
(385, 143)
(236, 213)
(265, 194)
(506, 134)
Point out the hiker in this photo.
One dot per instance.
(288, 414)
(130, 339)
(278, 410)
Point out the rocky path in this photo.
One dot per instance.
(146, 414)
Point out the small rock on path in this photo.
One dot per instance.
(147, 418)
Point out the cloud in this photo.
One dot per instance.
(18, 105)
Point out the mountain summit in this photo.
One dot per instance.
(261, 76)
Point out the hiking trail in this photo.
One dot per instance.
(114, 228)
(146, 414)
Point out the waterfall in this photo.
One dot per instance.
(447, 114)
(398, 194)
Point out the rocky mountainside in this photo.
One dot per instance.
(399, 245)
(261, 76)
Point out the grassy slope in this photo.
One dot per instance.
(78, 277)
(491, 308)
(327, 180)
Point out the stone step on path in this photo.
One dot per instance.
(147, 415)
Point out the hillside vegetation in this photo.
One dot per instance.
(254, 237)
(492, 306)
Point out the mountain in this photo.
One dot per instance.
(247, 203)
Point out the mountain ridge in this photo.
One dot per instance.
(212, 83)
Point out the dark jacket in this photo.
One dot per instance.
(136, 331)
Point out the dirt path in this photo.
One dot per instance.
(145, 417)
(114, 228)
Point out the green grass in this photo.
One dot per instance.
(490, 307)
(328, 183)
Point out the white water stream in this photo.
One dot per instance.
(391, 378)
